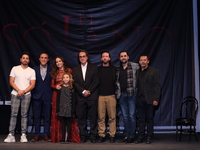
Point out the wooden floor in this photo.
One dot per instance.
(160, 142)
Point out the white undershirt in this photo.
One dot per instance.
(84, 69)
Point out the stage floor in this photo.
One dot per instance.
(160, 142)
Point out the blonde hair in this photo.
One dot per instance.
(71, 81)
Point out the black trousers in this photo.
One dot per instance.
(66, 123)
(145, 116)
(87, 110)
(42, 106)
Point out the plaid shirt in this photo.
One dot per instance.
(131, 80)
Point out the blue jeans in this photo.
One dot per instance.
(128, 107)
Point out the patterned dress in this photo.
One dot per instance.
(56, 134)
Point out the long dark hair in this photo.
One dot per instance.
(86, 55)
(55, 68)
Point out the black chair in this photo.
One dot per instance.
(188, 111)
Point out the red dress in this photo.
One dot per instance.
(56, 134)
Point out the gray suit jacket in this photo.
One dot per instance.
(135, 67)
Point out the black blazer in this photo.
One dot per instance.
(42, 87)
(91, 81)
(152, 87)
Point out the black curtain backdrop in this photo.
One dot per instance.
(162, 29)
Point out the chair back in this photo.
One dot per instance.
(189, 108)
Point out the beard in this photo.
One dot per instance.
(24, 63)
(105, 62)
(124, 62)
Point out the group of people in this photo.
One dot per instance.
(85, 93)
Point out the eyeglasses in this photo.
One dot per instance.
(82, 56)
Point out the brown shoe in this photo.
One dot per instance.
(45, 138)
(36, 138)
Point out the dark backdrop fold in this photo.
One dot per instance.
(162, 29)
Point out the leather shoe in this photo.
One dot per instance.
(148, 140)
(123, 140)
(83, 139)
(93, 140)
(101, 139)
(36, 138)
(45, 138)
(130, 140)
(112, 139)
(62, 141)
(139, 140)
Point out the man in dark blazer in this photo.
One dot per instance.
(148, 95)
(41, 95)
(85, 84)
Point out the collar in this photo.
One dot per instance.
(42, 67)
(84, 66)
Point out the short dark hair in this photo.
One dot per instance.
(108, 55)
(44, 53)
(86, 55)
(144, 55)
(26, 53)
(106, 52)
(123, 52)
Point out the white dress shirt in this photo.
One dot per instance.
(84, 69)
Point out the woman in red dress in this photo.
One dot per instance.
(59, 68)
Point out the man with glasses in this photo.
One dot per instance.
(85, 83)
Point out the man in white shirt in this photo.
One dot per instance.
(22, 80)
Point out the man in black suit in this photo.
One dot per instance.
(85, 84)
(41, 96)
(148, 95)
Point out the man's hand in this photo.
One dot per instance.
(86, 93)
(155, 103)
(20, 93)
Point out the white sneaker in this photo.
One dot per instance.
(10, 138)
(23, 138)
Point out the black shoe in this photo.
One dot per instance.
(130, 140)
(112, 139)
(93, 140)
(148, 140)
(123, 140)
(62, 141)
(101, 139)
(83, 139)
(67, 142)
(139, 140)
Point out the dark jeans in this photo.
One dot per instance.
(128, 107)
(145, 116)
